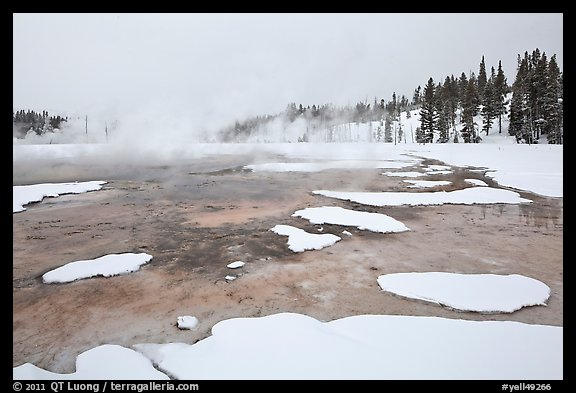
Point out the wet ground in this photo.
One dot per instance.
(195, 217)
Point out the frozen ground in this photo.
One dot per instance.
(201, 210)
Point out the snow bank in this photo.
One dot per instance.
(107, 362)
(295, 346)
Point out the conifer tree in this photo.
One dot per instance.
(428, 112)
(482, 79)
(553, 103)
(500, 91)
(519, 105)
(388, 130)
(488, 111)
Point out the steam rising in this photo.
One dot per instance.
(178, 78)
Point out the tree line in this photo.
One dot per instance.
(449, 110)
(469, 96)
(536, 104)
(533, 104)
(40, 123)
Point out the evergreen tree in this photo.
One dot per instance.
(519, 105)
(500, 91)
(291, 112)
(388, 131)
(538, 90)
(462, 88)
(469, 110)
(428, 112)
(442, 102)
(379, 132)
(488, 108)
(482, 79)
(451, 96)
(417, 99)
(553, 103)
(473, 92)
(420, 137)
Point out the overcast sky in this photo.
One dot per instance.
(214, 68)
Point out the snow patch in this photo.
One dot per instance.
(321, 166)
(375, 222)
(427, 183)
(107, 265)
(436, 168)
(300, 240)
(487, 293)
(476, 182)
(23, 195)
(404, 174)
(188, 322)
(235, 265)
(467, 196)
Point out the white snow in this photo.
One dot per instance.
(158, 352)
(430, 173)
(427, 183)
(321, 166)
(299, 240)
(107, 265)
(187, 322)
(405, 174)
(375, 222)
(476, 182)
(23, 195)
(230, 278)
(108, 362)
(535, 168)
(486, 293)
(235, 265)
(467, 196)
(295, 346)
(436, 168)
(346, 233)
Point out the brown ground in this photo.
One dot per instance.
(198, 217)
